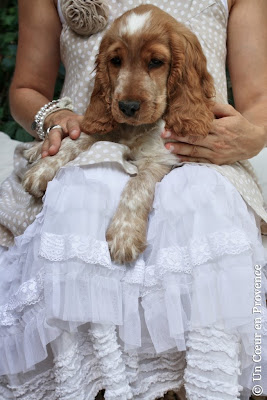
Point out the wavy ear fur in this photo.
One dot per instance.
(98, 117)
(190, 87)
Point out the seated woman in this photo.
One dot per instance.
(72, 322)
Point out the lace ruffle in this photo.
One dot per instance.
(29, 293)
(75, 292)
(202, 250)
(61, 248)
(208, 354)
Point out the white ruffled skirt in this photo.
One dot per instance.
(127, 328)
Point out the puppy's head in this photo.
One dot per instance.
(150, 66)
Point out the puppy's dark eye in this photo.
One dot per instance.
(116, 61)
(155, 63)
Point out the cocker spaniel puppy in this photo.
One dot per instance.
(150, 70)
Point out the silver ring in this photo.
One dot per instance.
(53, 127)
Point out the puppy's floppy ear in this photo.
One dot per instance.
(98, 117)
(190, 87)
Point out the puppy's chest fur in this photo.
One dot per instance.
(145, 143)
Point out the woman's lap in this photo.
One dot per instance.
(195, 272)
(200, 236)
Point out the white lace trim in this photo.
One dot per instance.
(172, 259)
(201, 250)
(135, 274)
(64, 247)
(29, 293)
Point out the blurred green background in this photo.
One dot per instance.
(8, 48)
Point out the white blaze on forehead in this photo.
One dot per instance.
(134, 23)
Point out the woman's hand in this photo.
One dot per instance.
(71, 126)
(232, 138)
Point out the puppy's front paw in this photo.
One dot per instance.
(34, 153)
(37, 177)
(126, 242)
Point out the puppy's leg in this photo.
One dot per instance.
(36, 178)
(126, 234)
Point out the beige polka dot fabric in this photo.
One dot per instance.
(18, 209)
(208, 20)
(106, 152)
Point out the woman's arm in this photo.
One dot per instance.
(37, 63)
(37, 60)
(247, 58)
(240, 133)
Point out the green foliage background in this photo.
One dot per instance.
(8, 48)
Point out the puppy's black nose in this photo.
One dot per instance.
(129, 107)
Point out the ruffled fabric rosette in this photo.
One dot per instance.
(85, 17)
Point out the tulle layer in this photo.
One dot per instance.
(197, 271)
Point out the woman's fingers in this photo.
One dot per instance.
(55, 137)
(45, 148)
(52, 142)
(70, 124)
(232, 138)
(73, 127)
(190, 150)
(207, 142)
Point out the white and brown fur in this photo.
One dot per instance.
(146, 57)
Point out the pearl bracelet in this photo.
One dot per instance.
(49, 108)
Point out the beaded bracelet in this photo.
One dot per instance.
(49, 108)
